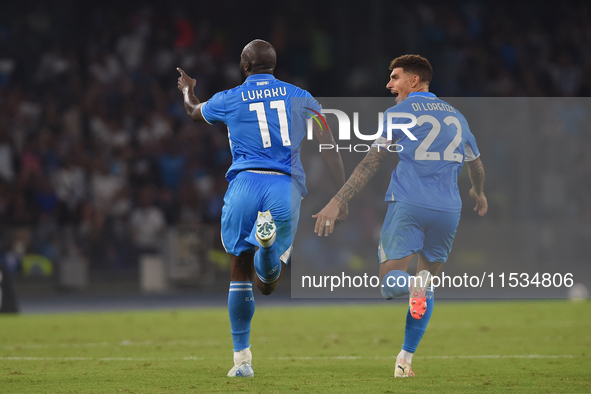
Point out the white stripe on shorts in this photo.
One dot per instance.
(267, 172)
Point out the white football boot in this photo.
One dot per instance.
(403, 369)
(418, 294)
(266, 229)
(242, 365)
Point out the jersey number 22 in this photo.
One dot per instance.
(422, 151)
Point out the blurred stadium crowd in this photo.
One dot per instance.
(98, 157)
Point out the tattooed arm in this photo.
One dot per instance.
(476, 172)
(361, 175)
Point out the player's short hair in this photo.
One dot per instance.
(414, 64)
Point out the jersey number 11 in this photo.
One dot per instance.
(279, 105)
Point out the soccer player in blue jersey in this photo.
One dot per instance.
(266, 120)
(423, 196)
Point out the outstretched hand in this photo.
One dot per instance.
(185, 81)
(481, 202)
(327, 218)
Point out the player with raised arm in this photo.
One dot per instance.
(424, 200)
(266, 179)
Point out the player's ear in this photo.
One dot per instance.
(244, 65)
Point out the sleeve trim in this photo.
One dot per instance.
(203, 115)
(471, 159)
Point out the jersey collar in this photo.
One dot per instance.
(421, 94)
(259, 77)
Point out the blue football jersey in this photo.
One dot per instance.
(265, 131)
(436, 141)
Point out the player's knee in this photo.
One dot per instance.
(395, 284)
(384, 290)
(266, 288)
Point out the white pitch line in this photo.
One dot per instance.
(107, 344)
(504, 356)
(484, 356)
(493, 356)
(99, 358)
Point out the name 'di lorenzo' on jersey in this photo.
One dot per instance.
(433, 107)
(259, 94)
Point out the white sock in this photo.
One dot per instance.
(406, 355)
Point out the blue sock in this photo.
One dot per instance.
(267, 264)
(391, 282)
(416, 328)
(241, 309)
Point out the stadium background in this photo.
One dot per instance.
(95, 142)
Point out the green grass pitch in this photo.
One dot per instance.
(491, 347)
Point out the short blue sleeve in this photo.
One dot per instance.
(472, 152)
(312, 103)
(214, 110)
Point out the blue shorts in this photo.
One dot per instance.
(409, 229)
(250, 193)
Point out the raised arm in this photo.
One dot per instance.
(186, 85)
(476, 172)
(357, 181)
